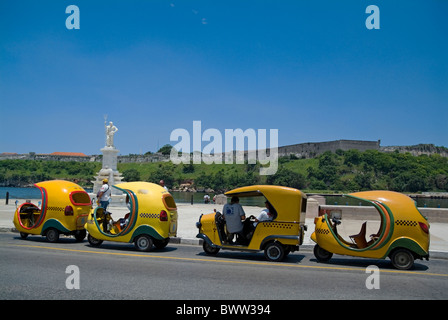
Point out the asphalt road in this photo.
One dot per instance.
(35, 269)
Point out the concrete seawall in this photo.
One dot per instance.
(370, 213)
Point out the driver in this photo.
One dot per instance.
(234, 215)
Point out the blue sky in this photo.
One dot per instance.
(310, 69)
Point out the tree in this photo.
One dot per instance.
(164, 172)
(131, 175)
(287, 178)
(188, 168)
(166, 149)
(352, 157)
(441, 182)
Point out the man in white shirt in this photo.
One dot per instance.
(162, 183)
(234, 216)
(265, 214)
(104, 194)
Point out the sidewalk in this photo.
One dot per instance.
(189, 214)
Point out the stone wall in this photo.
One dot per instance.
(418, 150)
(370, 213)
(47, 157)
(301, 150)
(155, 157)
(312, 149)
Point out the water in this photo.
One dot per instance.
(198, 197)
(20, 193)
(179, 197)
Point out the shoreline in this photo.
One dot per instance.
(423, 195)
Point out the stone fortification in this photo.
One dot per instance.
(313, 149)
(418, 150)
(301, 150)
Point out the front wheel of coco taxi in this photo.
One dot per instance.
(23, 235)
(160, 244)
(80, 235)
(144, 243)
(321, 254)
(208, 249)
(94, 242)
(274, 251)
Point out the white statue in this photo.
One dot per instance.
(110, 131)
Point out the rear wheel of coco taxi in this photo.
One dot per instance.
(208, 249)
(144, 243)
(402, 259)
(94, 242)
(274, 251)
(321, 254)
(52, 235)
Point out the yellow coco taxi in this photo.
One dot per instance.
(283, 234)
(64, 210)
(151, 219)
(403, 234)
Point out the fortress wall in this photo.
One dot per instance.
(417, 150)
(156, 157)
(301, 150)
(312, 149)
(46, 157)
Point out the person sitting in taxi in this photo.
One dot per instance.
(234, 216)
(124, 221)
(267, 214)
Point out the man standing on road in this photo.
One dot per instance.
(104, 194)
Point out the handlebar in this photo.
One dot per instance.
(336, 221)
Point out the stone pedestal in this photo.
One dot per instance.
(110, 156)
(109, 171)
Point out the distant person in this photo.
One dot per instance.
(234, 215)
(104, 194)
(162, 183)
(207, 198)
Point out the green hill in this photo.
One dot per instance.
(343, 171)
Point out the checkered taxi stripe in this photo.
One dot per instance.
(278, 225)
(322, 231)
(149, 215)
(55, 209)
(406, 223)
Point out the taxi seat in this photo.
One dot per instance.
(29, 213)
(360, 238)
